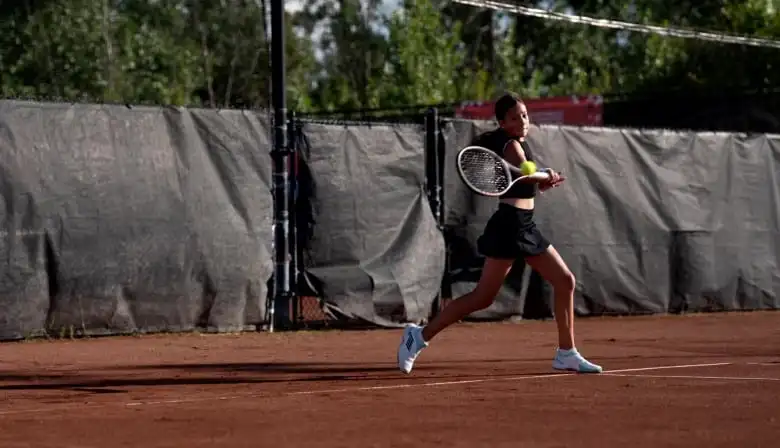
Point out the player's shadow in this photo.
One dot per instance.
(115, 379)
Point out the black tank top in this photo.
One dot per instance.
(496, 140)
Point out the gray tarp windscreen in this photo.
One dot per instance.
(648, 221)
(116, 219)
(375, 249)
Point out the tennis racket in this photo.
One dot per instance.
(488, 174)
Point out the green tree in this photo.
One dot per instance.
(216, 53)
(704, 65)
(424, 64)
(179, 52)
(353, 52)
(89, 50)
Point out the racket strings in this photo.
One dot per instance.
(484, 171)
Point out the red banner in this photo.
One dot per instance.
(565, 110)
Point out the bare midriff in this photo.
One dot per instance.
(523, 203)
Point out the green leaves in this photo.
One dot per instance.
(424, 64)
(178, 52)
(351, 54)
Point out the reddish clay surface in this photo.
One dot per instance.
(477, 385)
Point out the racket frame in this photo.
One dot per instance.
(539, 176)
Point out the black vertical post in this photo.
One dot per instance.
(441, 150)
(433, 186)
(432, 181)
(280, 306)
(446, 288)
(292, 200)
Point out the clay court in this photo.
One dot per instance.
(685, 381)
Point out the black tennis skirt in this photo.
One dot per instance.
(511, 234)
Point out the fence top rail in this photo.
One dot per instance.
(628, 129)
(364, 123)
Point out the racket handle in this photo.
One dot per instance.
(542, 170)
(517, 169)
(548, 170)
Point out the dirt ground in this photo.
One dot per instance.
(671, 381)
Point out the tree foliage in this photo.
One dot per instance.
(365, 54)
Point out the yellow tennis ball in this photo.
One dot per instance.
(527, 168)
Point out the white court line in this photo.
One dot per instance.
(81, 406)
(680, 366)
(494, 379)
(695, 377)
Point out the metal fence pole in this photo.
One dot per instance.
(279, 312)
(433, 185)
(292, 201)
(433, 180)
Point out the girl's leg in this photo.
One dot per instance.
(494, 273)
(415, 339)
(552, 268)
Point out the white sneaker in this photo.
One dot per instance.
(572, 360)
(411, 345)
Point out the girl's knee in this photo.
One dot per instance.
(566, 281)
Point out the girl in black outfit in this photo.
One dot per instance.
(510, 234)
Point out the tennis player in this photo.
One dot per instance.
(510, 234)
